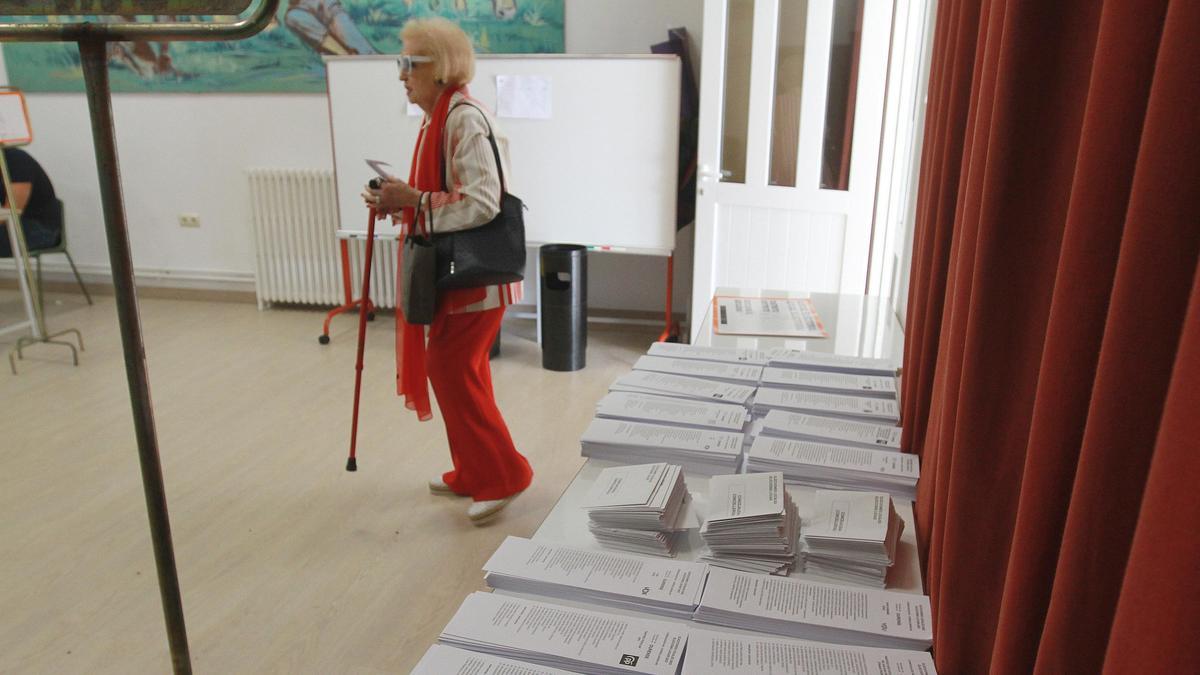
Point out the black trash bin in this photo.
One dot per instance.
(564, 306)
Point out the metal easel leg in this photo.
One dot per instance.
(95, 71)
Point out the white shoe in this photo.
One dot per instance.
(438, 486)
(481, 512)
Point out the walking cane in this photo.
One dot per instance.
(352, 462)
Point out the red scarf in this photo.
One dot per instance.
(424, 175)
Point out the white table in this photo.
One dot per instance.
(858, 325)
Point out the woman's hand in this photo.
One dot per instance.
(392, 196)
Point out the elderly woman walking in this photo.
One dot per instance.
(436, 64)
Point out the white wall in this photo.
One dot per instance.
(186, 153)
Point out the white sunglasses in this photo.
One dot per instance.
(407, 62)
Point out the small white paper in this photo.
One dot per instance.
(13, 125)
(524, 96)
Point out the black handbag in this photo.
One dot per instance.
(418, 280)
(493, 253)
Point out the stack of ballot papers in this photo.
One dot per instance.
(555, 636)
(712, 653)
(831, 431)
(443, 660)
(644, 508)
(830, 363)
(655, 409)
(812, 610)
(734, 373)
(682, 386)
(699, 450)
(823, 465)
(667, 587)
(853, 408)
(874, 386)
(851, 537)
(752, 524)
(675, 350)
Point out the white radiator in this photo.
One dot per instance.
(298, 260)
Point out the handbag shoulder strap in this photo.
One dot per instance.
(491, 139)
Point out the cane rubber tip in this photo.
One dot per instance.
(351, 464)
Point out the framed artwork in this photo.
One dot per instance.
(286, 56)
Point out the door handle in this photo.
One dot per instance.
(707, 173)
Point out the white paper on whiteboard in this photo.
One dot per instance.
(523, 96)
(13, 126)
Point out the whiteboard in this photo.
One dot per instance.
(601, 171)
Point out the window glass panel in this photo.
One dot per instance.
(844, 49)
(789, 76)
(735, 118)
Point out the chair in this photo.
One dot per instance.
(61, 247)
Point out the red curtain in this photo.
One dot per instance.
(1052, 358)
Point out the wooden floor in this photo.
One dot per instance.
(288, 563)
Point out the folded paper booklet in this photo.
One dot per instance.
(752, 357)
(681, 386)
(578, 640)
(712, 653)
(699, 450)
(824, 465)
(752, 524)
(851, 537)
(642, 509)
(874, 386)
(657, 409)
(853, 408)
(667, 587)
(813, 610)
(734, 373)
(444, 660)
(782, 424)
(833, 363)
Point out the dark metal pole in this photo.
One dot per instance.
(95, 73)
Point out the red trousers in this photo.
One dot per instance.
(486, 465)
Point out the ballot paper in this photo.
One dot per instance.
(874, 386)
(832, 363)
(781, 424)
(791, 317)
(643, 509)
(443, 660)
(681, 386)
(712, 653)
(674, 411)
(752, 524)
(813, 610)
(666, 587)
(734, 373)
(851, 537)
(853, 408)
(556, 636)
(699, 450)
(832, 466)
(753, 357)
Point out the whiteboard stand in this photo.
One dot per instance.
(15, 131)
(348, 301)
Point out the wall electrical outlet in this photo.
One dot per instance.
(189, 220)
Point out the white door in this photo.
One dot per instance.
(791, 107)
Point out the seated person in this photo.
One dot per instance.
(41, 218)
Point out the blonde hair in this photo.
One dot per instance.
(451, 50)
